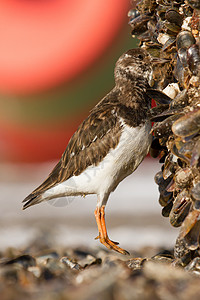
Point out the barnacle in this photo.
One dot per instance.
(171, 30)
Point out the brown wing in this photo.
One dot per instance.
(88, 146)
(90, 143)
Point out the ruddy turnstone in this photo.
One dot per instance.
(109, 145)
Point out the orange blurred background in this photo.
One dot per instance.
(56, 62)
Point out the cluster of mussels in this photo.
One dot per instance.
(171, 30)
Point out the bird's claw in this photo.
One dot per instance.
(112, 245)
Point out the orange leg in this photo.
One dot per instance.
(103, 235)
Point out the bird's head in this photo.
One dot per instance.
(135, 64)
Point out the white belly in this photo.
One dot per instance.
(119, 162)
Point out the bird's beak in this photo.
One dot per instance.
(158, 60)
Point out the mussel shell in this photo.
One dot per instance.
(154, 152)
(180, 101)
(165, 195)
(158, 96)
(195, 191)
(158, 178)
(195, 159)
(169, 44)
(160, 11)
(172, 28)
(189, 138)
(196, 205)
(180, 209)
(153, 51)
(169, 166)
(133, 13)
(187, 11)
(192, 238)
(175, 144)
(163, 153)
(146, 6)
(167, 170)
(164, 128)
(173, 16)
(188, 124)
(171, 186)
(193, 58)
(182, 54)
(164, 114)
(143, 37)
(184, 39)
(46, 256)
(194, 266)
(189, 222)
(163, 184)
(160, 28)
(70, 263)
(187, 148)
(163, 254)
(155, 148)
(166, 210)
(157, 110)
(194, 4)
(139, 24)
(163, 192)
(180, 73)
(182, 252)
(165, 199)
(183, 178)
(24, 260)
(175, 149)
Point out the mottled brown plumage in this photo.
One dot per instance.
(116, 120)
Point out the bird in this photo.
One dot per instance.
(109, 144)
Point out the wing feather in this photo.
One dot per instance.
(88, 146)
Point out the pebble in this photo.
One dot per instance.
(101, 274)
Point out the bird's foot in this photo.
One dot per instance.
(98, 238)
(112, 245)
(103, 236)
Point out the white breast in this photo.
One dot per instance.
(119, 162)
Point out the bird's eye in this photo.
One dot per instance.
(140, 56)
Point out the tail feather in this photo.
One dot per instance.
(36, 196)
(32, 199)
